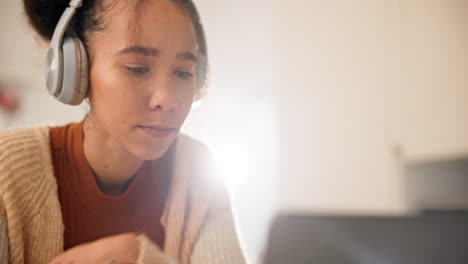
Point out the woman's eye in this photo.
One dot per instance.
(184, 75)
(138, 70)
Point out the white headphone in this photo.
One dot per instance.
(67, 62)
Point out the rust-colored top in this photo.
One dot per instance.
(89, 214)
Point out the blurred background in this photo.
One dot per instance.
(316, 106)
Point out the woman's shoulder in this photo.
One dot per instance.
(19, 136)
(25, 166)
(20, 145)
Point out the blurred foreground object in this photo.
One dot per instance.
(418, 239)
(9, 100)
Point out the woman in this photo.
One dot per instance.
(122, 186)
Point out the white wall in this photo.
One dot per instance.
(335, 142)
(431, 102)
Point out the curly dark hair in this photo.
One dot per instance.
(43, 16)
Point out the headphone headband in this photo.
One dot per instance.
(54, 54)
(63, 22)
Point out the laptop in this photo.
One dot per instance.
(425, 239)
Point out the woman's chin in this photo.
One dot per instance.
(146, 153)
(146, 148)
(151, 151)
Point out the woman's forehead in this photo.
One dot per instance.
(161, 24)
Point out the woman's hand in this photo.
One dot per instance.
(118, 249)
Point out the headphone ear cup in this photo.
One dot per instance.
(83, 77)
(75, 72)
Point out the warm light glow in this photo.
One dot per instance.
(232, 161)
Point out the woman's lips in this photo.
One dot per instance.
(158, 131)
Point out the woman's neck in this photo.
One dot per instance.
(112, 165)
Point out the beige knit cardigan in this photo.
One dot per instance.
(197, 216)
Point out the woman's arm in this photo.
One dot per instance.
(151, 253)
(218, 242)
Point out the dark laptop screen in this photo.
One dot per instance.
(300, 239)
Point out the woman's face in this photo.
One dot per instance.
(142, 76)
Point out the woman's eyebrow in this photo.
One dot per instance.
(148, 51)
(189, 56)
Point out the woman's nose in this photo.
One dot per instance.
(163, 95)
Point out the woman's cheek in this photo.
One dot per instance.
(123, 91)
(186, 91)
